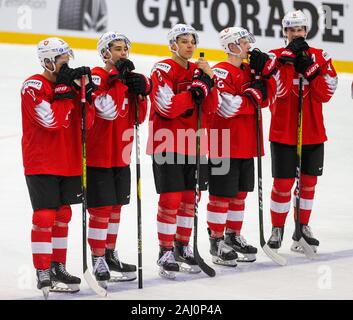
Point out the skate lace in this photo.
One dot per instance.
(276, 234)
(241, 240)
(307, 231)
(63, 270)
(187, 252)
(100, 265)
(168, 257)
(44, 275)
(116, 257)
(223, 247)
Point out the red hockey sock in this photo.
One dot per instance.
(41, 237)
(280, 200)
(113, 227)
(60, 231)
(307, 192)
(168, 206)
(217, 209)
(235, 215)
(98, 229)
(185, 217)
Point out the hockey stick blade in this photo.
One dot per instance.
(203, 266)
(274, 256)
(94, 285)
(308, 250)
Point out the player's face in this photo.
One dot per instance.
(245, 46)
(187, 46)
(59, 61)
(295, 32)
(119, 50)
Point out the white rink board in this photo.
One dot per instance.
(148, 21)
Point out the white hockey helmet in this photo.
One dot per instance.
(233, 35)
(294, 19)
(106, 39)
(50, 48)
(181, 29)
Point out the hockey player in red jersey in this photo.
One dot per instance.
(51, 148)
(109, 144)
(172, 138)
(320, 81)
(240, 93)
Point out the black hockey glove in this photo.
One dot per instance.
(294, 48)
(201, 86)
(298, 45)
(257, 92)
(63, 89)
(307, 67)
(90, 86)
(262, 63)
(124, 66)
(138, 83)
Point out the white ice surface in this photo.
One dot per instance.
(329, 277)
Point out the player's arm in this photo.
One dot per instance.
(109, 99)
(163, 99)
(325, 84)
(284, 74)
(230, 104)
(51, 115)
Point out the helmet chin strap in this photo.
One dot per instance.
(238, 55)
(111, 56)
(51, 71)
(177, 52)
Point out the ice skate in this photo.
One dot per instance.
(61, 280)
(101, 271)
(246, 252)
(185, 258)
(43, 282)
(119, 271)
(308, 237)
(222, 253)
(168, 265)
(275, 240)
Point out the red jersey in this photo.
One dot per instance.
(173, 116)
(51, 141)
(109, 142)
(236, 113)
(284, 121)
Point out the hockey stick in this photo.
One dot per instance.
(86, 274)
(203, 266)
(138, 192)
(308, 250)
(269, 252)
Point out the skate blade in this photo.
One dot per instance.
(187, 268)
(170, 275)
(61, 287)
(297, 247)
(45, 291)
(227, 263)
(246, 257)
(122, 276)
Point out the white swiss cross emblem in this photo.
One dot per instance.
(295, 87)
